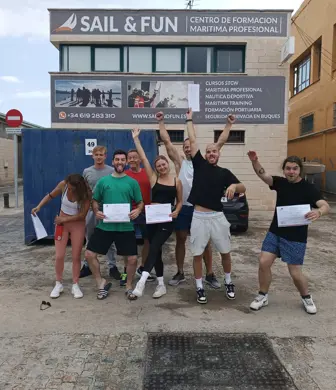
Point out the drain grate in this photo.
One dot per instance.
(213, 362)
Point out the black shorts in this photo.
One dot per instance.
(140, 224)
(101, 240)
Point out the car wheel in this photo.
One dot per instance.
(242, 229)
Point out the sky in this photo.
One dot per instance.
(27, 55)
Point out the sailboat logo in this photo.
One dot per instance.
(68, 25)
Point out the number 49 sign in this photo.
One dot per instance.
(90, 144)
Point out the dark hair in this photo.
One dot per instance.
(132, 151)
(81, 187)
(293, 159)
(119, 151)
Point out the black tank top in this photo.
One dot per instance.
(164, 194)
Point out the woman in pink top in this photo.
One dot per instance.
(70, 223)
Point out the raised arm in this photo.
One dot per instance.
(191, 134)
(258, 169)
(150, 173)
(171, 149)
(226, 132)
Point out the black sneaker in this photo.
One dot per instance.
(150, 278)
(114, 273)
(201, 297)
(177, 279)
(230, 290)
(85, 271)
(212, 281)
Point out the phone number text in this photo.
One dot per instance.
(87, 115)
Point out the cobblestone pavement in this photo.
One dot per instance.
(87, 344)
(72, 361)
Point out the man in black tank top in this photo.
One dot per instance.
(209, 222)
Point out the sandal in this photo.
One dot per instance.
(130, 295)
(103, 292)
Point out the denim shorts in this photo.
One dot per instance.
(183, 220)
(290, 252)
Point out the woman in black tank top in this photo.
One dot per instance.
(165, 189)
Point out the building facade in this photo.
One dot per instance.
(119, 67)
(312, 104)
(7, 152)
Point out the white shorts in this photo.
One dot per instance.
(206, 226)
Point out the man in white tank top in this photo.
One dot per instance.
(185, 171)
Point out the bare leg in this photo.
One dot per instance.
(226, 262)
(207, 257)
(299, 279)
(131, 268)
(198, 267)
(181, 238)
(265, 274)
(94, 265)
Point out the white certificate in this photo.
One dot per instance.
(293, 215)
(158, 213)
(118, 212)
(194, 97)
(39, 228)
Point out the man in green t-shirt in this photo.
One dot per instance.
(117, 188)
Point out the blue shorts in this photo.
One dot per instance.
(183, 221)
(140, 225)
(291, 252)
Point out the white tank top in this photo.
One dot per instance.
(69, 208)
(186, 176)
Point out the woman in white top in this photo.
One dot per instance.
(70, 223)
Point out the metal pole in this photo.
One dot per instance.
(16, 170)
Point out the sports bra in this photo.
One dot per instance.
(69, 208)
(164, 194)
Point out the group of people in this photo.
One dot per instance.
(196, 209)
(84, 97)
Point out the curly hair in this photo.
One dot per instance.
(81, 187)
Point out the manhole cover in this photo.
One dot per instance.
(213, 361)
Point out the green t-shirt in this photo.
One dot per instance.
(113, 190)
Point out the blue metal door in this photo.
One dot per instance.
(50, 155)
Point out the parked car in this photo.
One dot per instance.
(236, 212)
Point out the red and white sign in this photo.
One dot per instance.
(14, 118)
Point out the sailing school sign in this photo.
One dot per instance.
(136, 99)
(159, 22)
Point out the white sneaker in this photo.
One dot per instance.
(76, 291)
(259, 302)
(309, 305)
(139, 289)
(160, 291)
(56, 292)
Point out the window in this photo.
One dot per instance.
(318, 59)
(307, 124)
(168, 60)
(235, 137)
(302, 75)
(107, 59)
(230, 59)
(139, 59)
(197, 59)
(176, 136)
(334, 117)
(76, 59)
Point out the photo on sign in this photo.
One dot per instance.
(88, 93)
(158, 94)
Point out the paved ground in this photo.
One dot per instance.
(87, 344)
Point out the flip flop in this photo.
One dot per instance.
(130, 295)
(103, 292)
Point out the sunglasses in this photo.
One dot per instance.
(45, 305)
